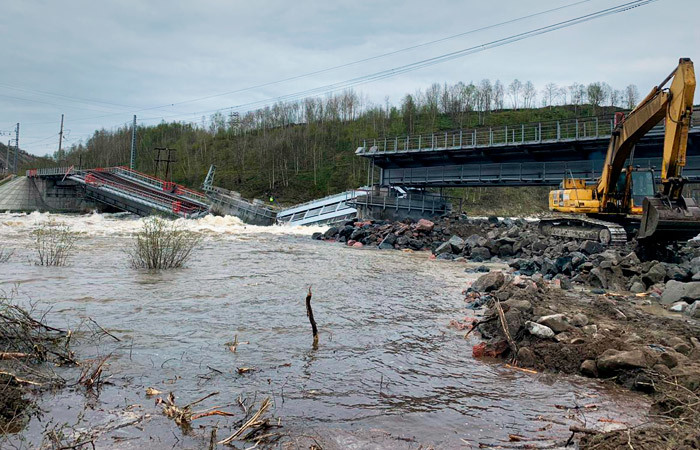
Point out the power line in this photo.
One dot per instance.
(328, 69)
(429, 61)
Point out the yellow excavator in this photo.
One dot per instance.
(624, 203)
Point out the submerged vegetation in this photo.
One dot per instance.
(162, 244)
(54, 242)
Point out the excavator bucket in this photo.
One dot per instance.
(664, 220)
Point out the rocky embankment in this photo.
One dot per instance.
(518, 243)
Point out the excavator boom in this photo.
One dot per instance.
(668, 216)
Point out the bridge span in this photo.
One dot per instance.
(529, 154)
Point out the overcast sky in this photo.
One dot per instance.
(100, 62)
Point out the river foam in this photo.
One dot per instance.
(97, 224)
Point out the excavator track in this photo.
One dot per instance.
(577, 227)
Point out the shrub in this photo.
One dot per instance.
(5, 254)
(162, 244)
(54, 242)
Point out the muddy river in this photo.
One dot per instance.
(388, 371)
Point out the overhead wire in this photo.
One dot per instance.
(425, 62)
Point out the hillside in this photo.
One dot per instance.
(295, 152)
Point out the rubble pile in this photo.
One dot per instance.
(518, 243)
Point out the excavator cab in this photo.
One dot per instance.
(642, 186)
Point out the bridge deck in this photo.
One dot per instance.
(132, 191)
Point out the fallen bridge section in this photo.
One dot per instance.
(128, 190)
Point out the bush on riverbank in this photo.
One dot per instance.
(162, 244)
(54, 242)
(5, 255)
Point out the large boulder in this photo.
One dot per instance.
(489, 282)
(656, 274)
(557, 322)
(693, 310)
(444, 248)
(457, 244)
(676, 291)
(388, 242)
(539, 330)
(346, 231)
(330, 233)
(611, 361)
(480, 254)
(475, 240)
(591, 247)
(424, 226)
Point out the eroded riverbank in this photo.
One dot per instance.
(388, 371)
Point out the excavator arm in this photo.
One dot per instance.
(669, 216)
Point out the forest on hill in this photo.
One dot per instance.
(297, 151)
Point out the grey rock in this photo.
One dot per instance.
(612, 361)
(678, 307)
(526, 357)
(330, 233)
(557, 322)
(539, 330)
(317, 236)
(474, 241)
(480, 254)
(637, 287)
(522, 305)
(579, 320)
(443, 248)
(693, 310)
(589, 368)
(590, 329)
(676, 291)
(489, 282)
(457, 244)
(656, 274)
(591, 247)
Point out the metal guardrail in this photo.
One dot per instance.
(175, 188)
(160, 202)
(569, 130)
(516, 174)
(410, 202)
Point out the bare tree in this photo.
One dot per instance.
(529, 95)
(498, 93)
(514, 90)
(631, 96)
(550, 94)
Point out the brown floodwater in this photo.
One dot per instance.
(388, 371)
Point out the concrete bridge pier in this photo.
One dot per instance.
(24, 194)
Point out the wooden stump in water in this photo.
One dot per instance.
(310, 315)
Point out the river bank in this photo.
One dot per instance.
(389, 370)
(576, 308)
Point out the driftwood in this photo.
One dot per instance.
(253, 422)
(504, 325)
(310, 315)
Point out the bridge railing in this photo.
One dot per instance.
(164, 203)
(50, 171)
(577, 129)
(178, 189)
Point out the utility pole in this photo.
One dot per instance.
(168, 174)
(132, 164)
(60, 139)
(7, 159)
(16, 147)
